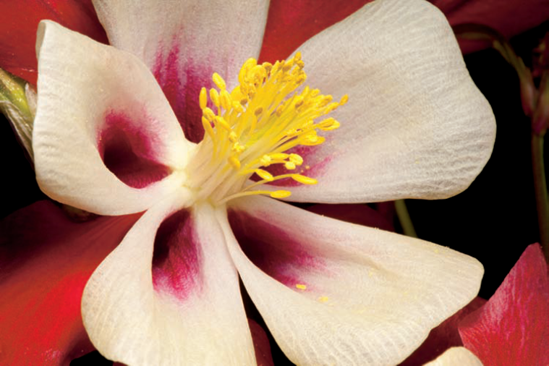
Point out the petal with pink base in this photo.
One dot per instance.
(415, 125)
(196, 39)
(169, 294)
(512, 328)
(332, 292)
(105, 139)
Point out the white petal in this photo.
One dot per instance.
(169, 293)
(457, 356)
(185, 42)
(337, 293)
(98, 106)
(415, 125)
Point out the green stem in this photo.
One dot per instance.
(404, 218)
(540, 186)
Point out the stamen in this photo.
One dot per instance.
(255, 125)
(218, 81)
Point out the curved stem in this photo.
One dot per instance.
(540, 186)
(404, 218)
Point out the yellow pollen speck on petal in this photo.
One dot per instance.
(258, 124)
(323, 298)
(301, 286)
(280, 194)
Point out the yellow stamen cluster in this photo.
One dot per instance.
(253, 126)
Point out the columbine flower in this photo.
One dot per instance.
(107, 141)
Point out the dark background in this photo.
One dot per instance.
(493, 221)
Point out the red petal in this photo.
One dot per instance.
(443, 337)
(262, 347)
(356, 214)
(19, 21)
(513, 327)
(509, 17)
(290, 23)
(46, 260)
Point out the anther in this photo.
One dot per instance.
(214, 96)
(218, 81)
(203, 98)
(296, 159)
(225, 99)
(280, 194)
(264, 174)
(303, 179)
(233, 160)
(265, 160)
(220, 121)
(289, 165)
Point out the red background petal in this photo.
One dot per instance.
(292, 22)
(46, 261)
(19, 21)
(443, 337)
(513, 327)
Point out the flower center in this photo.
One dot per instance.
(254, 126)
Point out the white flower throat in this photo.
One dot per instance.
(254, 126)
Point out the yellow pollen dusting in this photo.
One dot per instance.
(323, 298)
(301, 287)
(255, 125)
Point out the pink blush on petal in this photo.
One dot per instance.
(181, 84)
(177, 257)
(273, 250)
(128, 152)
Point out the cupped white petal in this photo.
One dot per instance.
(169, 293)
(338, 293)
(185, 42)
(415, 125)
(105, 139)
(456, 356)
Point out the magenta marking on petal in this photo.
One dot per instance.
(181, 83)
(128, 152)
(273, 250)
(177, 257)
